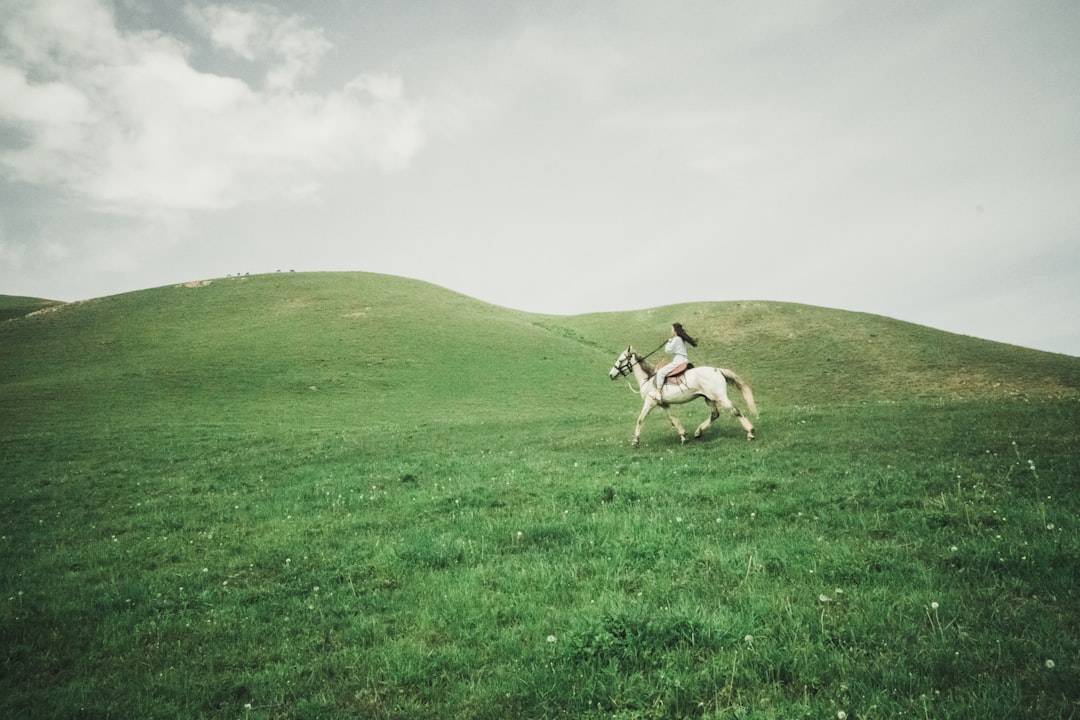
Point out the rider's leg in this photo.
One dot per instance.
(658, 393)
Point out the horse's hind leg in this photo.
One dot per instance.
(730, 407)
(714, 412)
(745, 421)
(747, 425)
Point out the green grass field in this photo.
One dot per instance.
(359, 496)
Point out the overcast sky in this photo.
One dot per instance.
(919, 160)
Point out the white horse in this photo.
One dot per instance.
(704, 382)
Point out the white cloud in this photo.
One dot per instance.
(262, 33)
(52, 113)
(230, 29)
(51, 35)
(124, 120)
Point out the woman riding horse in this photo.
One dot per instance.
(676, 347)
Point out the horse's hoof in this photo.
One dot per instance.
(750, 436)
(683, 439)
(634, 442)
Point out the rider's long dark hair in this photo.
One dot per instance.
(683, 334)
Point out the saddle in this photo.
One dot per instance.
(673, 376)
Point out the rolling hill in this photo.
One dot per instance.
(356, 495)
(13, 306)
(357, 340)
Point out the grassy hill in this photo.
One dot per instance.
(12, 306)
(355, 495)
(371, 340)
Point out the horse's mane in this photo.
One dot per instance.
(649, 369)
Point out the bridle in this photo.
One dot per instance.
(625, 365)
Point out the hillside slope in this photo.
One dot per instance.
(353, 495)
(234, 349)
(13, 306)
(351, 345)
(798, 354)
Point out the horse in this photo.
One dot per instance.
(704, 382)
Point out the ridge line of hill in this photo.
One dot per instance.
(290, 332)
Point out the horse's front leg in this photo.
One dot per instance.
(677, 425)
(645, 410)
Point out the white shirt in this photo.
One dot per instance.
(677, 349)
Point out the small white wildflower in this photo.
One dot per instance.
(841, 715)
(551, 638)
(1050, 664)
(839, 591)
(823, 598)
(1049, 526)
(678, 519)
(934, 605)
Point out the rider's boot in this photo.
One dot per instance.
(657, 393)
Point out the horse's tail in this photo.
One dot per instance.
(744, 388)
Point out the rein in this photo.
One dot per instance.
(658, 347)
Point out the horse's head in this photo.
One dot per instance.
(623, 364)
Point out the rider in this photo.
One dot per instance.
(676, 347)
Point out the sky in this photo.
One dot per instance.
(918, 160)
